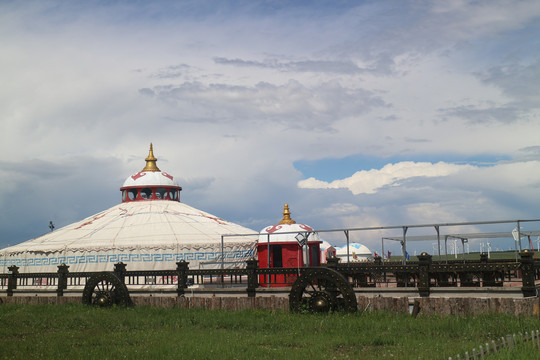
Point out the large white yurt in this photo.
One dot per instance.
(357, 253)
(149, 230)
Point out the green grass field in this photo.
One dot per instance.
(76, 331)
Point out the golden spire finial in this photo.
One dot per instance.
(151, 161)
(287, 216)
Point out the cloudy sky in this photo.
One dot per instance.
(356, 113)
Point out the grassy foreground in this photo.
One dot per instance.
(77, 331)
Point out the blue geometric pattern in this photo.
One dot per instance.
(125, 258)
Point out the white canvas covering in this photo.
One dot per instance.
(150, 178)
(145, 235)
(286, 233)
(357, 253)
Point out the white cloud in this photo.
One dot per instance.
(341, 209)
(370, 181)
(431, 213)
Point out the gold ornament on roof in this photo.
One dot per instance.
(287, 216)
(151, 161)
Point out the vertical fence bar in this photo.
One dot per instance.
(438, 242)
(120, 271)
(181, 269)
(253, 282)
(382, 248)
(332, 263)
(519, 235)
(527, 273)
(424, 262)
(12, 280)
(62, 279)
(268, 257)
(222, 261)
(404, 245)
(222, 253)
(347, 238)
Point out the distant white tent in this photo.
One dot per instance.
(150, 230)
(357, 253)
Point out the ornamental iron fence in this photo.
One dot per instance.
(420, 276)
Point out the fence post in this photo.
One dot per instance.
(182, 268)
(62, 279)
(527, 273)
(424, 262)
(488, 277)
(484, 257)
(509, 341)
(253, 283)
(332, 262)
(120, 271)
(12, 280)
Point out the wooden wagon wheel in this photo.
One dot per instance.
(105, 289)
(322, 290)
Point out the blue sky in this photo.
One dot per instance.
(336, 168)
(356, 113)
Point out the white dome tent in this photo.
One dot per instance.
(150, 230)
(357, 253)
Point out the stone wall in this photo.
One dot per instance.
(477, 306)
(428, 306)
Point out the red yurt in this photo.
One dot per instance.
(288, 245)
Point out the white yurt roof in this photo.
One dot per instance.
(155, 223)
(149, 178)
(286, 230)
(152, 225)
(357, 248)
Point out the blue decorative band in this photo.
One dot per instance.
(127, 257)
